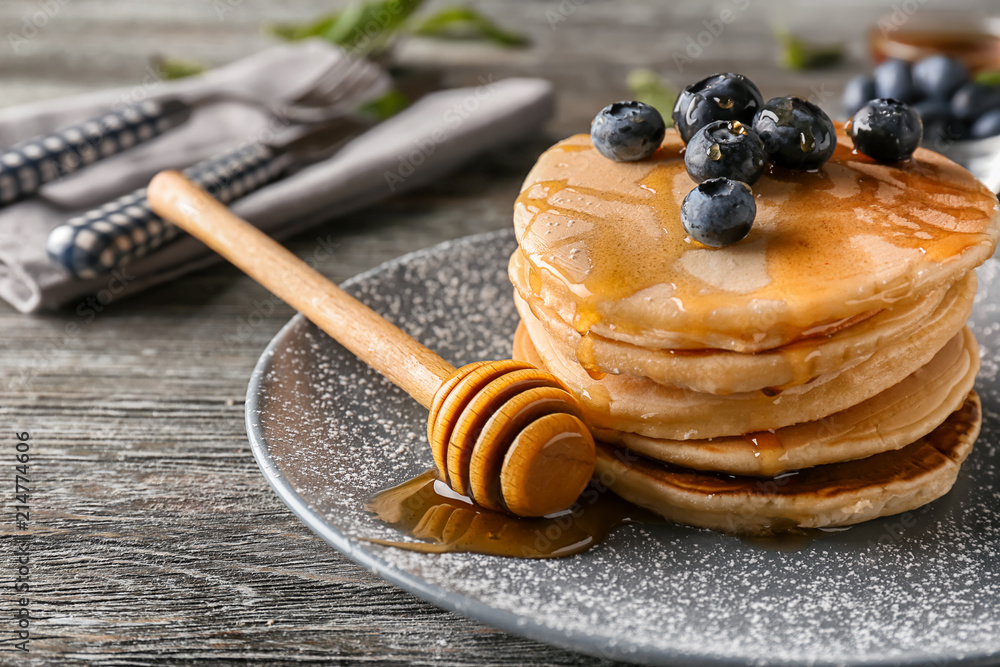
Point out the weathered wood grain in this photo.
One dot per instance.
(155, 538)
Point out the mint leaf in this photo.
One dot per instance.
(797, 54)
(467, 23)
(365, 27)
(177, 68)
(649, 87)
(293, 32)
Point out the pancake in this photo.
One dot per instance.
(817, 373)
(838, 494)
(725, 372)
(638, 405)
(890, 420)
(606, 251)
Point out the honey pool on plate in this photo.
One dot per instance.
(425, 508)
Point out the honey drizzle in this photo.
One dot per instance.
(815, 230)
(769, 451)
(585, 356)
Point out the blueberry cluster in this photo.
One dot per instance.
(940, 89)
(731, 134)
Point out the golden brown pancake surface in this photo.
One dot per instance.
(606, 248)
(726, 372)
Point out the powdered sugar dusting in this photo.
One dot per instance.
(921, 586)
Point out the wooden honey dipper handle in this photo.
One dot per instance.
(376, 341)
(505, 433)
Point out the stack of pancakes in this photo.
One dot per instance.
(817, 373)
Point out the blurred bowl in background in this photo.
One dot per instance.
(922, 32)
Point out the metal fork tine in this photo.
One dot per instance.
(363, 81)
(329, 96)
(352, 88)
(322, 98)
(330, 78)
(307, 88)
(332, 90)
(334, 76)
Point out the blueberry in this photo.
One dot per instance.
(939, 135)
(940, 127)
(987, 125)
(886, 130)
(627, 131)
(938, 76)
(859, 90)
(939, 124)
(719, 212)
(725, 96)
(725, 148)
(894, 79)
(973, 100)
(932, 110)
(796, 133)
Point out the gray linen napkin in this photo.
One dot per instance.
(430, 138)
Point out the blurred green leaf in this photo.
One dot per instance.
(649, 87)
(386, 106)
(365, 27)
(177, 68)
(797, 54)
(293, 32)
(988, 77)
(467, 23)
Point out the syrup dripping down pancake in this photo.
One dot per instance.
(726, 372)
(607, 253)
(838, 494)
(639, 405)
(889, 420)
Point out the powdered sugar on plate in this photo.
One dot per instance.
(917, 588)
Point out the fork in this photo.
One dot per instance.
(335, 92)
(346, 83)
(126, 229)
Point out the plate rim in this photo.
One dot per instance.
(466, 606)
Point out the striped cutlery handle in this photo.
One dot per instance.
(126, 229)
(27, 166)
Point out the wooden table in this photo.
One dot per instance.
(154, 537)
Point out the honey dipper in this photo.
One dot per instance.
(504, 433)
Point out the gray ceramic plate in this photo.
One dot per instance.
(919, 588)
